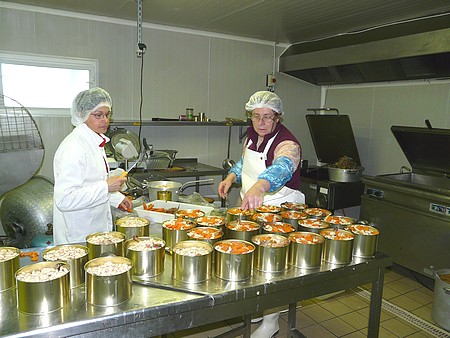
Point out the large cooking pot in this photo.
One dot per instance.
(345, 175)
(441, 299)
(169, 190)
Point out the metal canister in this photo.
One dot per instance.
(193, 268)
(190, 114)
(338, 246)
(292, 217)
(175, 231)
(108, 290)
(147, 255)
(266, 217)
(243, 230)
(44, 296)
(233, 259)
(234, 214)
(305, 249)
(441, 298)
(271, 252)
(9, 264)
(76, 264)
(312, 225)
(164, 195)
(114, 247)
(366, 240)
(133, 226)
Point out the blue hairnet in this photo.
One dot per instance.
(265, 99)
(86, 102)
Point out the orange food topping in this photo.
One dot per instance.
(234, 247)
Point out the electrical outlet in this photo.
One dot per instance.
(270, 80)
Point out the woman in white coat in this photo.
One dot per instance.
(268, 169)
(84, 191)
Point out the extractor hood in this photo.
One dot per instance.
(417, 50)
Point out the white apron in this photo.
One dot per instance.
(254, 164)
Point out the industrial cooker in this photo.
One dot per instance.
(412, 209)
(333, 138)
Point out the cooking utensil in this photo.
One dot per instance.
(227, 163)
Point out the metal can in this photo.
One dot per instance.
(189, 114)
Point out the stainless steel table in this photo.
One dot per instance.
(168, 306)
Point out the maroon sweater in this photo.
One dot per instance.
(283, 135)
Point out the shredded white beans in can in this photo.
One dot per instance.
(104, 239)
(108, 269)
(147, 245)
(7, 254)
(191, 251)
(64, 253)
(42, 275)
(132, 222)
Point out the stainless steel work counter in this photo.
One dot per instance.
(160, 305)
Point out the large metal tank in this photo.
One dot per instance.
(26, 212)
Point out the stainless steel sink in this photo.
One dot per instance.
(420, 179)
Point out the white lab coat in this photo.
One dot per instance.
(81, 199)
(254, 164)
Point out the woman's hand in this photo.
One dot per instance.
(115, 182)
(126, 204)
(225, 185)
(254, 197)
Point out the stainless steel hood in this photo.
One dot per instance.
(417, 50)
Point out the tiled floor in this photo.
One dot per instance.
(406, 312)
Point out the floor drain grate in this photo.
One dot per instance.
(407, 316)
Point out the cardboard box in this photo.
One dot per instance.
(159, 217)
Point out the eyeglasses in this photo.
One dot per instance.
(265, 118)
(99, 116)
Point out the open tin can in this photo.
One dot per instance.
(105, 243)
(108, 281)
(233, 259)
(243, 230)
(271, 252)
(9, 264)
(234, 214)
(75, 255)
(338, 246)
(292, 217)
(192, 261)
(366, 240)
(305, 249)
(133, 226)
(43, 287)
(175, 231)
(147, 255)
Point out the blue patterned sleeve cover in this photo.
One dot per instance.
(279, 173)
(237, 170)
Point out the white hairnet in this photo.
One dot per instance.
(265, 99)
(86, 102)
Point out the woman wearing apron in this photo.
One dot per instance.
(268, 170)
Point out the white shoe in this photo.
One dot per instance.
(269, 326)
(256, 320)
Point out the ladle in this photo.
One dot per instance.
(228, 163)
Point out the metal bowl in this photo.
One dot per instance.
(305, 249)
(108, 290)
(236, 262)
(114, 247)
(192, 261)
(133, 226)
(243, 230)
(366, 240)
(43, 296)
(9, 264)
(147, 255)
(271, 252)
(338, 246)
(76, 264)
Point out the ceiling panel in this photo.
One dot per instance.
(283, 21)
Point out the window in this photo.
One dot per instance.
(45, 85)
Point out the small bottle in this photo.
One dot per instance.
(189, 114)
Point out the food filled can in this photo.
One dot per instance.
(271, 252)
(294, 206)
(234, 214)
(266, 217)
(175, 230)
(233, 259)
(75, 255)
(312, 225)
(105, 243)
(292, 217)
(279, 228)
(305, 249)
(366, 240)
(338, 246)
(43, 287)
(9, 264)
(108, 281)
(243, 230)
(133, 226)
(192, 261)
(147, 255)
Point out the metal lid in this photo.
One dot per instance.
(425, 148)
(333, 137)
